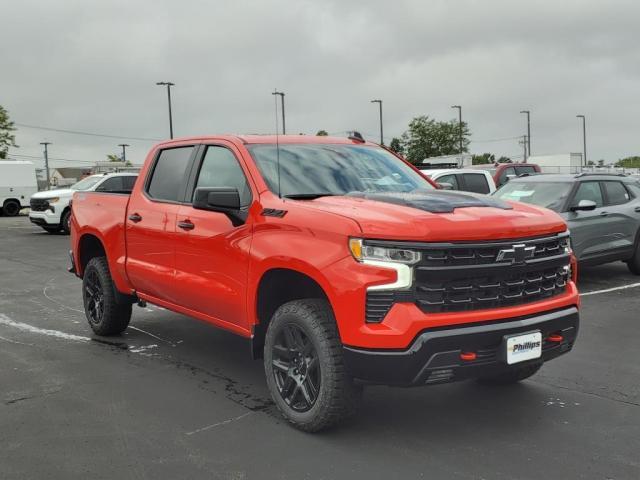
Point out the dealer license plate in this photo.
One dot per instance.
(524, 347)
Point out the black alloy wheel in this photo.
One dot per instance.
(94, 298)
(296, 368)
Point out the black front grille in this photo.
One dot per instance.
(39, 205)
(465, 277)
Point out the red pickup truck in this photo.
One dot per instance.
(338, 261)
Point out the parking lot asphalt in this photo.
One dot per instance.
(176, 398)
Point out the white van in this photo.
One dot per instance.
(17, 183)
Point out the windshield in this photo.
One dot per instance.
(314, 170)
(86, 183)
(544, 194)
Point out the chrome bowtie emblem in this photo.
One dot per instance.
(517, 253)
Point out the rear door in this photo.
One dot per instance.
(505, 174)
(212, 254)
(588, 227)
(475, 182)
(620, 215)
(151, 223)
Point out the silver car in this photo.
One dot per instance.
(602, 211)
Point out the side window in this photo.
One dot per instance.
(616, 193)
(128, 182)
(503, 176)
(449, 179)
(169, 173)
(589, 191)
(475, 182)
(220, 168)
(113, 184)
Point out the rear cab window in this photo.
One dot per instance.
(169, 174)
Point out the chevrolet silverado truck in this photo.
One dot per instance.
(339, 262)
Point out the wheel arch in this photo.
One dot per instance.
(89, 246)
(276, 287)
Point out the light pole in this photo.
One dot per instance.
(46, 162)
(169, 85)
(528, 133)
(284, 125)
(459, 123)
(379, 102)
(124, 152)
(584, 139)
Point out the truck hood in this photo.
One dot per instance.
(440, 216)
(61, 192)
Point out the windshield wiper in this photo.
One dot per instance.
(309, 196)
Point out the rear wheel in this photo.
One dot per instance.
(106, 315)
(304, 366)
(11, 208)
(512, 376)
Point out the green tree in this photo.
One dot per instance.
(629, 162)
(591, 163)
(112, 157)
(396, 145)
(322, 133)
(505, 160)
(7, 138)
(427, 137)
(483, 159)
(601, 162)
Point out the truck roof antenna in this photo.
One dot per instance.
(275, 97)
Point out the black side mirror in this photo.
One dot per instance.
(220, 199)
(584, 205)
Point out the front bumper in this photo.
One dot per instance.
(46, 218)
(434, 356)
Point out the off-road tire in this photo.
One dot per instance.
(65, 224)
(634, 262)
(514, 375)
(114, 314)
(11, 208)
(338, 398)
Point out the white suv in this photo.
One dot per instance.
(466, 179)
(50, 209)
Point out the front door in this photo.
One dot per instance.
(151, 224)
(588, 227)
(212, 257)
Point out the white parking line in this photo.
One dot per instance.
(607, 290)
(4, 320)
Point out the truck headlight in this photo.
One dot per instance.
(565, 243)
(398, 259)
(362, 253)
(53, 199)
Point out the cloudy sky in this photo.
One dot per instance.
(92, 66)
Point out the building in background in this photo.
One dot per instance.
(447, 161)
(65, 176)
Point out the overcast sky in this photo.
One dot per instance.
(92, 66)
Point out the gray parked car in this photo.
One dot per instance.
(602, 211)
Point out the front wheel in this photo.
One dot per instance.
(514, 375)
(304, 366)
(106, 315)
(65, 222)
(11, 208)
(634, 262)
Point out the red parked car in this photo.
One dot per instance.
(339, 262)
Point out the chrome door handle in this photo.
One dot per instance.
(604, 214)
(135, 218)
(186, 225)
